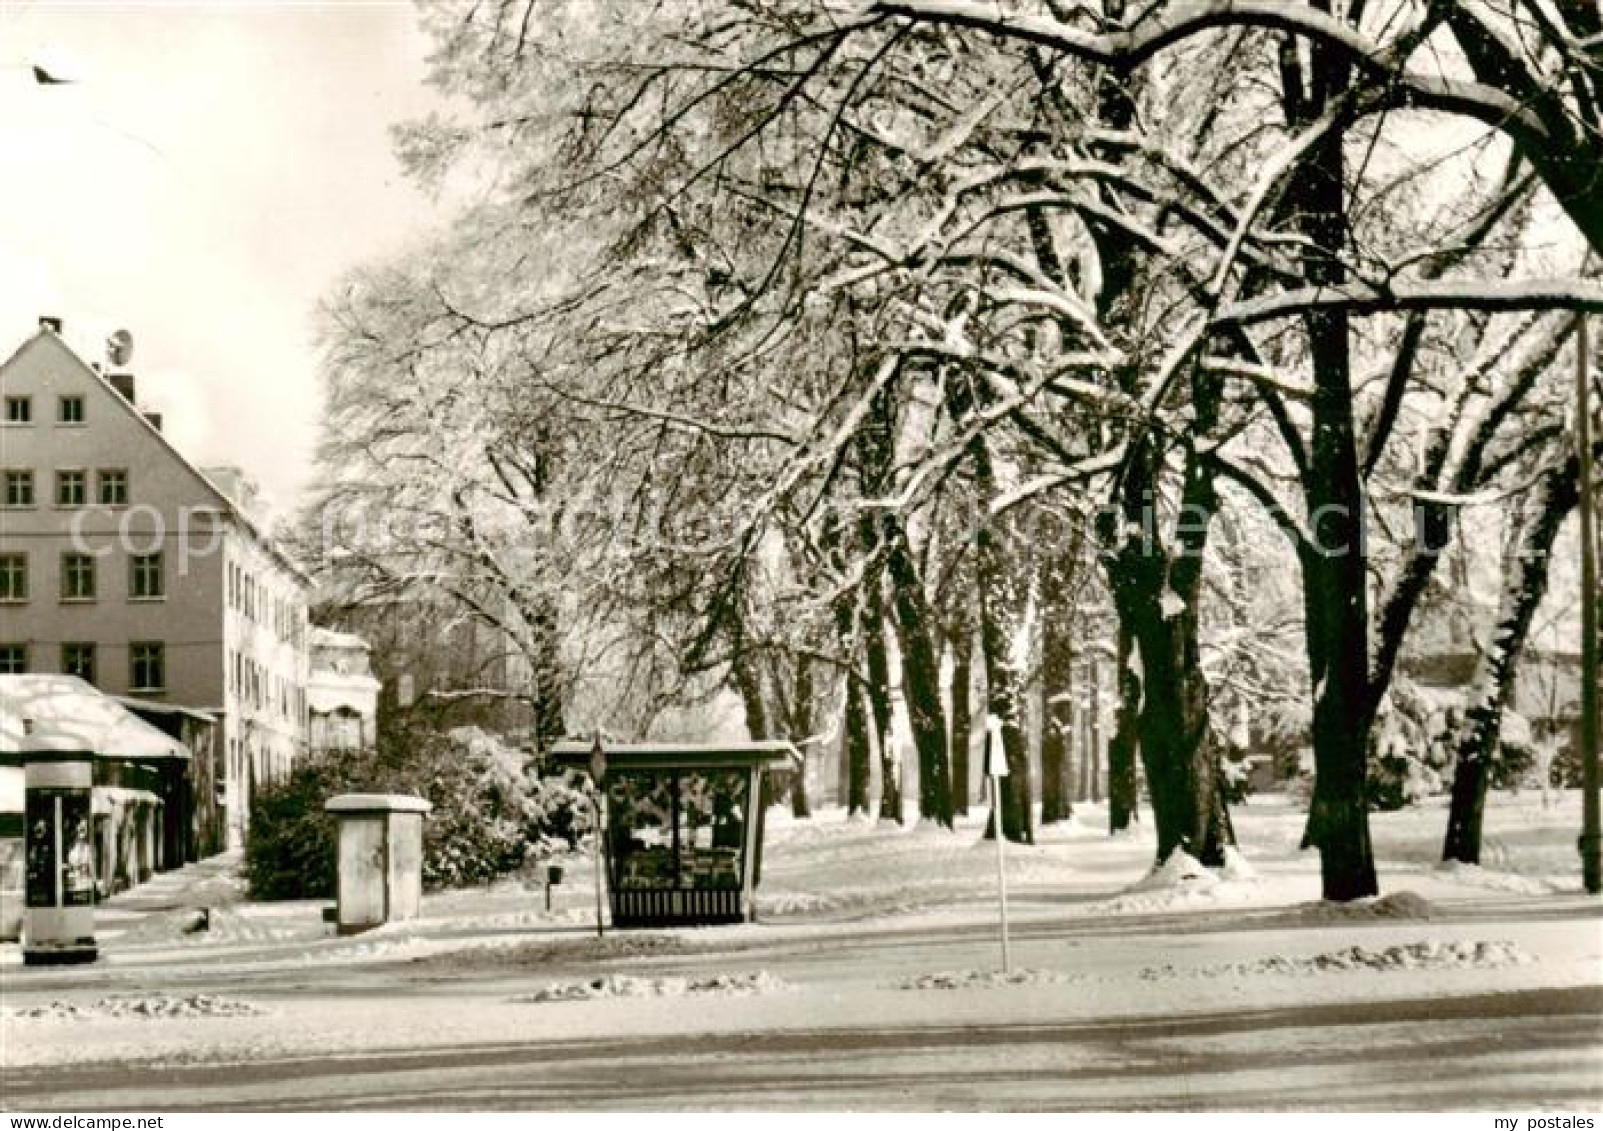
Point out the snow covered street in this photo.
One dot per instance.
(872, 982)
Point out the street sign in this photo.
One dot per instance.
(995, 754)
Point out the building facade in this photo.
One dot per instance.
(342, 692)
(124, 564)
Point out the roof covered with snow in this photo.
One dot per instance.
(647, 755)
(328, 638)
(328, 691)
(63, 712)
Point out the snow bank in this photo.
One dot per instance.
(1476, 876)
(625, 985)
(1398, 905)
(1433, 955)
(985, 979)
(1180, 870)
(159, 1006)
(540, 952)
(1236, 867)
(219, 926)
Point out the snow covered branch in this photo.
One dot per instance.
(1489, 296)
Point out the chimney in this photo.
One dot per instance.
(50, 322)
(155, 419)
(124, 384)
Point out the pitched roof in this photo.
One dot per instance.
(227, 504)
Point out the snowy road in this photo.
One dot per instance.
(1142, 1020)
(1527, 1050)
(1460, 990)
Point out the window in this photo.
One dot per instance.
(79, 660)
(13, 659)
(77, 577)
(72, 488)
(19, 410)
(149, 664)
(19, 488)
(145, 582)
(13, 577)
(69, 410)
(113, 488)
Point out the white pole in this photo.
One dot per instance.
(1001, 867)
(601, 832)
(1591, 840)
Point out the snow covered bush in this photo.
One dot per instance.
(1518, 758)
(1410, 747)
(489, 814)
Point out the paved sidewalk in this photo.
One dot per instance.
(212, 882)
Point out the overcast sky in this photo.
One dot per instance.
(210, 178)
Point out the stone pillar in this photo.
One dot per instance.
(380, 858)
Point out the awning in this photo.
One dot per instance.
(13, 792)
(63, 712)
(774, 754)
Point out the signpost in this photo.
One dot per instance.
(598, 782)
(995, 771)
(1591, 840)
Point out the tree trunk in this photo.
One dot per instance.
(1338, 818)
(1156, 595)
(1093, 727)
(962, 716)
(545, 677)
(879, 698)
(1001, 616)
(921, 679)
(1525, 575)
(1335, 585)
(803, 725)
(748, 682)
(1183, 766)
(1057, 711)
(1001, 606)
(857, 746)
(1123, 789)
(875, 447)
(1082, 769)
(854, 754)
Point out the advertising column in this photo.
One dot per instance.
(59, 882)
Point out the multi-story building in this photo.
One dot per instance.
(123, 563)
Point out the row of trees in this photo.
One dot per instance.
(813, 349)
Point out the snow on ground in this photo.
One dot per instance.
(625, 985)
(1434, 955)
(1397, 905)
(148, 1007)
(1233, 987)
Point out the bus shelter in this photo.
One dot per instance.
(684, 835)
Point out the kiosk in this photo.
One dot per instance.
(684, 827)
(59, 855)
(85, 791)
